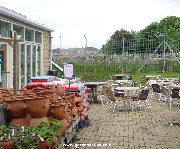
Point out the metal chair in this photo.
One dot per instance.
(114, 96)
(142, 95)
(102, 93)
(175, 94)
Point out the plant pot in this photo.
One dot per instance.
(37, 106)
(44, 145)
(58, 110)
(65, 124)
(60, 91)
(37, 121)
(21, 122)
(55, 142)
(7, 144)
(16, 107)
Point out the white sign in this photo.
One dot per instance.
(68, 71)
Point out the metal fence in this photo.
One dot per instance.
(129, 56)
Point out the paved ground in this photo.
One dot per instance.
(155, 129)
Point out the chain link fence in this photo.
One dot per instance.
(128, 56)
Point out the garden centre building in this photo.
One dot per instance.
(33, 48)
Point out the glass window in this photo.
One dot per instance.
(28, 63)
(23, 65)
(34, 61)
(19, 31)
(29, 35)
(38, 37)
(39, 60)
(5, 29)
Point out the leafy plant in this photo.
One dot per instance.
(32, 136)
(4, 130)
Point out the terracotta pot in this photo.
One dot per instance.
(68, 115)
(74, 112)
(82, 119)
(7, 144)
(58, 111)
(50, 94)
(44, 145)
(37, 106)
(60, 91)
(37, 121)
(65, 123)
(16, 107)
(55, 144)
(1, 100)
(21, 122)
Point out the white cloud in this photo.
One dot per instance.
(97, 19)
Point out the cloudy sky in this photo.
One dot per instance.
(96, 19)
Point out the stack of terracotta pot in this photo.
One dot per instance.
(82, 104)
(31, 107)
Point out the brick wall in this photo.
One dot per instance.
(46, 51)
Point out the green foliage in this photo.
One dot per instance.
(4, 129)
(168, 28)
(32, 135)
(102, 71)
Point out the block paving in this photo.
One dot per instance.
(153, 127)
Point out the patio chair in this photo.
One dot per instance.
(114, 96)
(175, 94)
(142, 95)
(102, 93)
(156, 90)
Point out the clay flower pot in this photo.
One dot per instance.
(44, 145)
(16, 107)
(37, 121)
(60, 90)
(50, 94)
(65, 123)
(37, 106)
(1, 100)
(7, 144)
(21, 122)
(58, 110)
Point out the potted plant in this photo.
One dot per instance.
(49, 131)
(5, 138)
(42, 136)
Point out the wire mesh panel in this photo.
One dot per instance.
(129, 56)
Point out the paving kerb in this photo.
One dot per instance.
(134, 129)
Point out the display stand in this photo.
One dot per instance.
(71, 132)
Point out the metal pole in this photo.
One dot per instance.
(15, 63)
(60, 46)
(85, 51)
(123, 57)
(164, 55)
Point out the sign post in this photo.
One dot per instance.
(68, 71)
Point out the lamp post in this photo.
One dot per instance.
(86, 41)
(85, 52)
(60, 46)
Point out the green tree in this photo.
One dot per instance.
(115, 43)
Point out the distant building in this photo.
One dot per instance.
(33, 50)
(75, 52)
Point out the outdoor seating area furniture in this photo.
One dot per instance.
(102, 92)
(114, 96)
(121, 76)
(142, 96)
(174, 95)
(128, 91)
(93, 86)
(164, 89)
(120, 88)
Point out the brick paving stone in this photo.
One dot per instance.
(133, 129)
